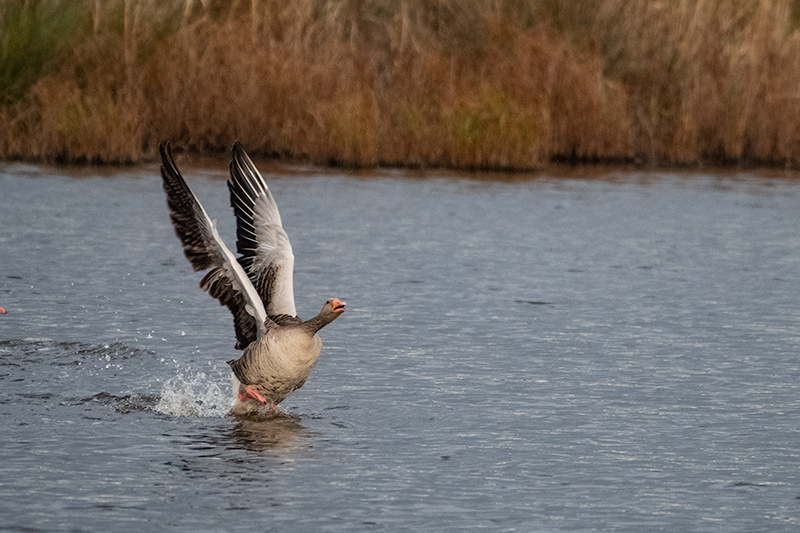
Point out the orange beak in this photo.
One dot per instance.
(338, 306)
(2, 311)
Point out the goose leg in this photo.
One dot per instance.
(251, 392)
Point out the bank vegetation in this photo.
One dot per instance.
(493, 84)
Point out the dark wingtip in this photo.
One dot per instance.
(240, 156)
(166, 154)
(237, 148)
(241, 160)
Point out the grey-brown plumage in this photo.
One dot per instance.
(293, 349)
(280, 349)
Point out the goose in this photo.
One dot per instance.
(280, 349)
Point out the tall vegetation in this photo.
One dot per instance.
(460, 83)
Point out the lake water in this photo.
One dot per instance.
(618, 351)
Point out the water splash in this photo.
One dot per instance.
(196, 396)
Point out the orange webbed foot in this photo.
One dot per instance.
(251, 392)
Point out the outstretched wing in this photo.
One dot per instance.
(266, 253)
(203, 247)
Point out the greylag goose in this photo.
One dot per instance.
(280, 349)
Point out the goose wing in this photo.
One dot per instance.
(203, 247)
(266, 253)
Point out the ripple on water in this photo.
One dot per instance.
(46, 351)
(42, 368)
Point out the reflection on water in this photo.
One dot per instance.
(267, 432)
(605, 352)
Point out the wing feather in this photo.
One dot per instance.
(203, 247)
(266, 253)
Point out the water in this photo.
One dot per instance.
(616, 352)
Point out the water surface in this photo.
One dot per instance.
(617, 352)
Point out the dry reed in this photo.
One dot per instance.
(459, 83)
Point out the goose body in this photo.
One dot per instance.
(280, 349)
(292, 354)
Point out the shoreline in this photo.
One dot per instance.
(218, 161)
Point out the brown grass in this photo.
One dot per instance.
(458, 83)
